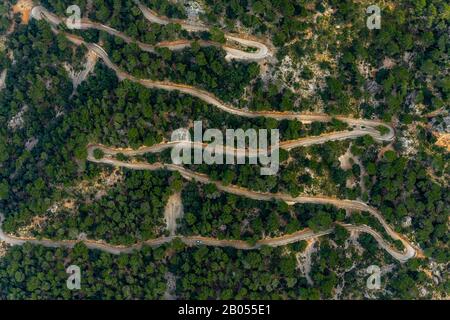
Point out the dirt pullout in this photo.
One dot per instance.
(24, 8)
(173, 211)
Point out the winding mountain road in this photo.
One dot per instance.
(251, 153)
(360, 128)
(261, 51)
(305, 234)
(153, 17)
(410, 250)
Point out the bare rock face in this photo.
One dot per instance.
(17, 121)
(193, 10)
(3, 79)
(441, 125)
(31, 143)
(407, 222)
(373, 87)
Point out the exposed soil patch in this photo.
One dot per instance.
(24, 8)
(345, 160)
(444, 141)
(35, 224)
(389, 147)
